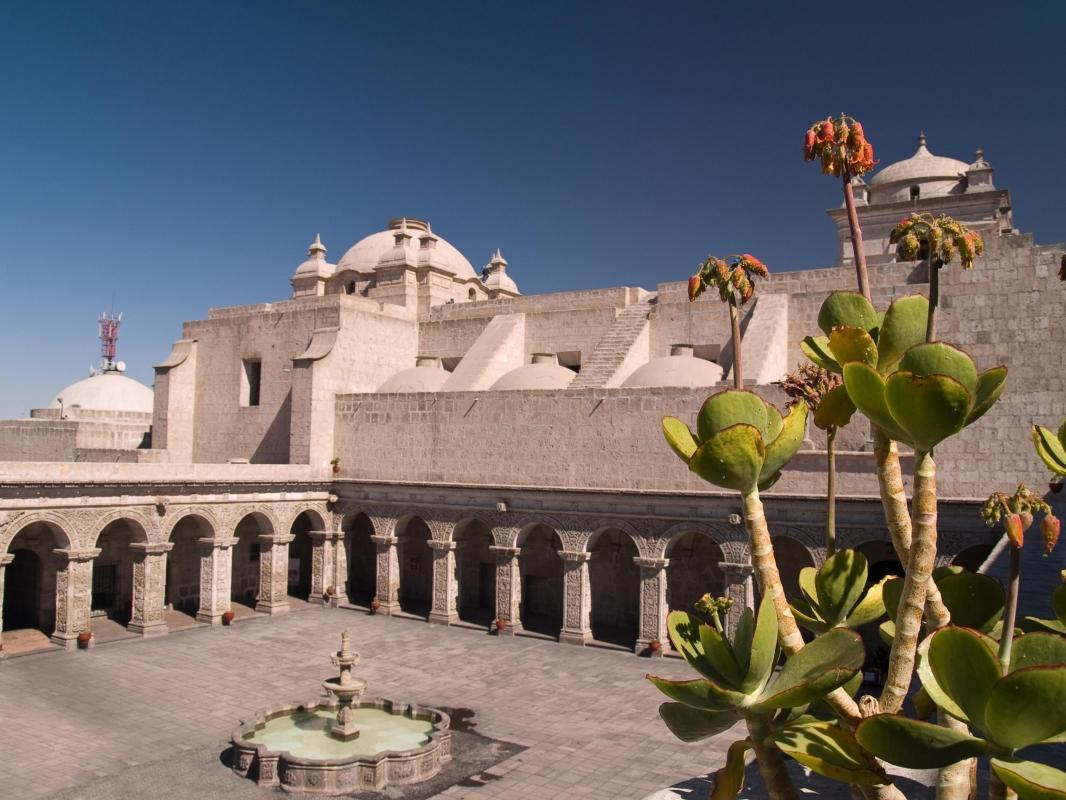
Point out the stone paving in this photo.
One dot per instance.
(72, 719)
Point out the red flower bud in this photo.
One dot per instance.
(826, 134)
(1050, 528)
(695, 287)
(1012, 524)
(808, 146)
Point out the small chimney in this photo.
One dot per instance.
(545, 358)
(685, 350)
(428, 361)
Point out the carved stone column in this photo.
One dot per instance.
(445, 608)
(388, 577)
(216, 570)
(322, 554)
(5, 559)
(577, 598)
(274, 573)
(738, 588)
(74, 582)
(149, 584)
(508, 587)
(653, 609)
(340, 567)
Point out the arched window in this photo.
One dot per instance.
(915, 192)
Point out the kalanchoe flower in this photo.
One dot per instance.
(1016, 513)
(1012, 524)
(732, 277)
(942, 237)
(841, 145)
(1050, 529)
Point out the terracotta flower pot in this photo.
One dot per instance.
(84, 638)
(501, 625)
(374, 606)
(336, 469)
(655, 646)
(227, 618)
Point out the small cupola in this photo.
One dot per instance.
(979, 174)
(496, 279)
(311, 275)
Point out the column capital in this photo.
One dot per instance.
(77, 555)
(276, 538)
(385, 540)
(323, 536)
(736, 570)
(511, 552)
(579, 556)
(651, 563)
(220, 543)
(438, 545)
(151, 548)
(6, 559)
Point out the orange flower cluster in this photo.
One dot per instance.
(733, 275)
(840, 145)
(919, 234)
(1016, 513)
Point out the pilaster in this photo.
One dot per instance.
(738, 588)
(274, 573)
(508, 587)
(73, 594)
(577, 598)
(322, 559)
(652, 620)
(216, 570)
(388, 577)
(445, 607)
(5, 559)
(149, 584)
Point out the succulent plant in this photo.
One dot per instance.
(1007, 710)
(1058, 608)
(741, 442)
(833, 594)
(975, 601)
(1051, 447)
(738, 682)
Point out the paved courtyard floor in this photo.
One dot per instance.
(151, 718)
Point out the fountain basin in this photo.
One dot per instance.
(292, 747)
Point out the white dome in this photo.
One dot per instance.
(316, 265)
(108, 391)
(365, 254)
(423, 378)
(922, 167)
(678, 369)
(543, 373)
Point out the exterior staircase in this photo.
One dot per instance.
(611, 351)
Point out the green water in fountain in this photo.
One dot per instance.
(305, 734)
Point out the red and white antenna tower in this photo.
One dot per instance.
(108, 339)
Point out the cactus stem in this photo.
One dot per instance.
(919, 574)
(857, 248)
(955, 782)
(734, 321)
(831, 492)
(1010, 613)
(934, 296)
(771, 761)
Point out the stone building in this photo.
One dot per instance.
(407, 428)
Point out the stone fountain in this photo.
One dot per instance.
(343, 742)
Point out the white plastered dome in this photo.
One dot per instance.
(680, 368)
(543, 374)
(426, 376)
(365, 254)
(108, 391)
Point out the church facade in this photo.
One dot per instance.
(409, 433)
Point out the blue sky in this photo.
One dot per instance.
(162, 158)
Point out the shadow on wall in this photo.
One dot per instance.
(273, 448)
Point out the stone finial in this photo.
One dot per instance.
(921, 139)
(317, 249)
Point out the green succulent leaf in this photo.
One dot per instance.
(816, 348)
(729, 780)
(990, 385)
(774, 422)
(1058, 603)
(1027, 706)
(1032, 781)
(807, 617)
(732, 458)
(808, 583)
(902, 328)
(831, 751)
(684, 631)
(835, 409)
(1036, 625)
(966, 669)
(787, 443)
(929, 409)
(847, 308)
(679, 437)
(974, 600)
(1051, 449)
(924, 706)
(932, 689)
(722, 656)
(915, 744)
(892, 593)
(701, 693)
(839, 583)
(887, 632)
(730, 407)
(743, 639)
(939, 358)
(866, 388)
(693, 724)
(870, 609)
(823, 665)
(853, 344)
(763, 653)
(1037, 650)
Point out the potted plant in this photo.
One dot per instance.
(336, 464)
(227, 618)
(655, 647)
(375, 604)
(501, 625)
(84, 639)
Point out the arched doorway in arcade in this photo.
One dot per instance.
(416, 567)
(244, 576)
(362, 559)
(183, 570)
(300, 560)
(541, 572)
(614, 581)
(112, 575)
(693, 570)
(476, 565)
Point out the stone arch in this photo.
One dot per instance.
(476, 569)
(177, 513)
(112, 570)
(149, 530)
(614, 585)
(59, 526)
(540, 572)
(693, 568)
(265, 516)
(182, 581)
(301, 552)
(318, 517)
(616, 525)
(732, 540)
(361, 552)
(249, 523)
(522, 526)
(29, 595)
(416, 564)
